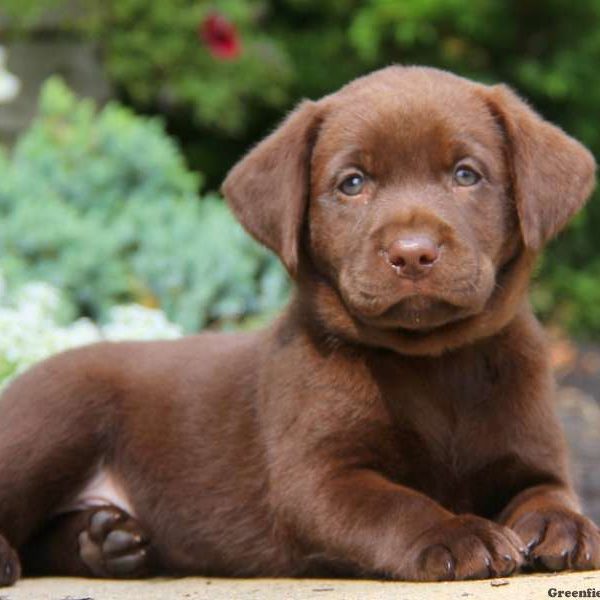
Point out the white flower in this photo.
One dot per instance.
(29, 331)
(38, 300)
(10, 85)
(133, 321)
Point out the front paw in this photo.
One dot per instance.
(559, 539)
(463, 547)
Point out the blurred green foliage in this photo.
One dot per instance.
(548, 50)
(155, 51)
(101, 205)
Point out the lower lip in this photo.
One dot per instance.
(421, 315)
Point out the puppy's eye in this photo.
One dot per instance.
(352, 185)
(465, 176)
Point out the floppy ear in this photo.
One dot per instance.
(552, 173)
(268, 188)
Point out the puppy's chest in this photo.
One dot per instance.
(429, 437)
(444, 438)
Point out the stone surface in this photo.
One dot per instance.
(580, 416)
(578, 405)
(531, 587)
(33, 61)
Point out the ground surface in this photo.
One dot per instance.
(532, 587)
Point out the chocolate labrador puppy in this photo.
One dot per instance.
(395, 421)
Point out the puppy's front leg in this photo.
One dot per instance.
(360, 517)
(544, 510)
(557, 535)
(335, 461)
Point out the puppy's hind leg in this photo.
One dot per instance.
(101, 542)
(55, 426)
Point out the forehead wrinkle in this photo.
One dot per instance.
(326, 162)
(365, 136)
(469, 144)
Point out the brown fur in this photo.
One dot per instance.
(383, 425)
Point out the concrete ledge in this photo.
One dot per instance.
(524, 587)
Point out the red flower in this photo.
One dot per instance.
(221, 36)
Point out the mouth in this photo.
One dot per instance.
(417, 314)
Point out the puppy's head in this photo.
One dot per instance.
(411, 205)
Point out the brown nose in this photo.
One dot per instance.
(412, 256)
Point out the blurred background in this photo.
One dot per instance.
(119, 119)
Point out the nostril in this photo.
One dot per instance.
(427, 259)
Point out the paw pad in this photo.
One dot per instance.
(114, 545)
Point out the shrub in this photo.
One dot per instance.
(158, 53)
(101, 205)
